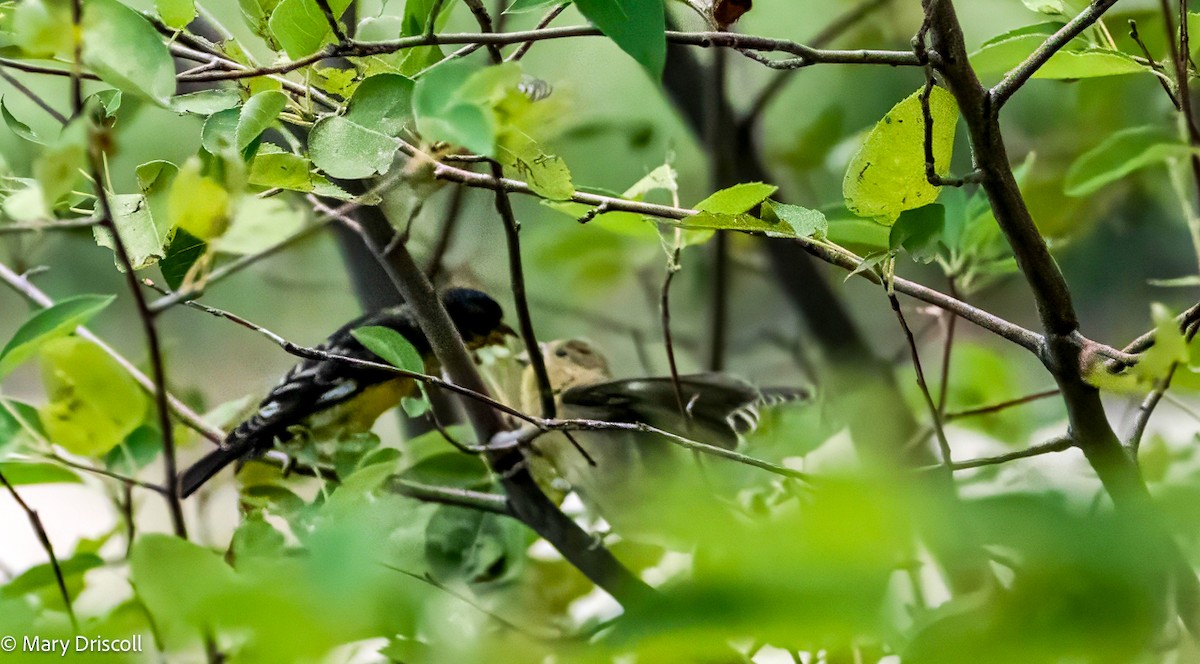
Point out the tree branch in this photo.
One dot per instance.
(808, 55)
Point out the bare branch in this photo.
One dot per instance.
(1002, 406)
(146, 316)
(809, 55)
(1060, 444)
(39, 529)
(934, 410)
(448, 495)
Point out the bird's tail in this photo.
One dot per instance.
(203, 470)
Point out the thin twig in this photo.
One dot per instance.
(21, 65)
(76, 56)
(512, 236)
(665, 311)
(1002, 406)
(453, 214)
(1146, 408)
(1060, 444)
(44, 226)
(332, 20)
(40, 530)
(427, 579)
(449, 495)
(836, 28)
(1023, 337)
(947, 350)
(542, 24)
(146, 316)
(127, 481)
(1137, 39)
(485, 24)
(934, 410)
(34, 97)
(810, 56)
(577, 424)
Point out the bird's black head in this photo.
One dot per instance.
(477, 316)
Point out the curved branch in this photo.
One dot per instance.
(805, 54)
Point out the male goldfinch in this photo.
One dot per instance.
(338, 391)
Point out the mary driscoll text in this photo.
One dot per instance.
(63, 647)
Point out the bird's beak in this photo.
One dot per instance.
(499, 336)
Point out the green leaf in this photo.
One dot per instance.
(1119, 155)
(198, 204)
(344, 149)
(737, 199)
(19, 128)
(444, 111)
(1170, 346)
(1077, 60)
(522, 6)
(637, 26)
(258, 224)
(23, 472)
(744, 223)
(220, 130)
(1090, 63)
(919, 232)
(176, 13)
(471, 546)
(859, 235)
(255, 538)
(546, 174)
(135, 452)
(125, 50)
(1051, 7)
(273, 168)
(58, 168)
(391, 346)
(300, 26)
(94, 403)
(663, 177)
(257, 115)
(142, 240)
(53, 322)
(452, 469)
(362, 142)
(804, 222)
(206, 102)
(43, 580)
(103, 104)
(887, 176)
(38, 27)
(154, 179)
(183, 250)
(176, 578)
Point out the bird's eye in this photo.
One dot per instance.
(561, 352)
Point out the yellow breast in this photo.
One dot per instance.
(358, 414)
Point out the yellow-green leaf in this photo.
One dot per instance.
(198, 203)
(887, 176)
(737, 199)
(94, 404)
